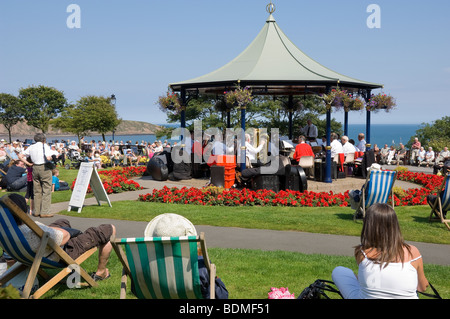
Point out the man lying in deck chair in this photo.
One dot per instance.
(73, 241)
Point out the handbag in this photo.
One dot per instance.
(48, 164)
(317, 290)
(434, 296)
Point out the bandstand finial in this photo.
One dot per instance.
(270, 8)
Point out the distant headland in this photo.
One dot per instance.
(22, 130)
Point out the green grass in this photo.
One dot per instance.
(335, 220)
(249, 274)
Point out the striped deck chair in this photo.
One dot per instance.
(163, 267)
(442, 203)
(15, 245)
(377, 189)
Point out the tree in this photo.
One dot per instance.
(40, 105)
(102, 115)
(74, 119)
(10, 111)
(262, 112)
(436, 134)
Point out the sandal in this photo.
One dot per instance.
(99, 278)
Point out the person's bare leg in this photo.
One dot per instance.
(104, 252)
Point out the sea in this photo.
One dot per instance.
(380, 134)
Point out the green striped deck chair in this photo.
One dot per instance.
(442, 203)
(377, 189)
(163, 267)
(15, 245)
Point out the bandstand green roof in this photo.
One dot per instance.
(273, 64)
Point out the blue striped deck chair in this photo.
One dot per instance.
(377, 189)
(163, 267)
(15, 245)
(442, 203)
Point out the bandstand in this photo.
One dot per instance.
(273, 65)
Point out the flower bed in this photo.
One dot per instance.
(213, 196)
(417, 196)
(235, 197)
(117, 180)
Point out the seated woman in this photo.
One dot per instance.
(421, 156)
(429, 157)
(388, 268)
(391, 155)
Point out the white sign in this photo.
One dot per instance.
(87, 175)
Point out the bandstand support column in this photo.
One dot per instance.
(346, 122)
(242, 164)
(291, 110)
(328, 178)
(183, 114)
(368, 144)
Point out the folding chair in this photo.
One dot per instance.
(307, 162)
(442, 203)
(377, 189)
(163, 267)
(15, 245)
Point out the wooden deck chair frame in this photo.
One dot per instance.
(440, 205)
(369, 199)
(152, 292)
(13, 242)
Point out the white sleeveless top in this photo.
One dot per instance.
(396, 281)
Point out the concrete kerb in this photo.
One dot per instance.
(233, 237)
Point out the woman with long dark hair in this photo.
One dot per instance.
(388, 268)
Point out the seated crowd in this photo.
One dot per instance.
(16, 169)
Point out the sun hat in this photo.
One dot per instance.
(374, 167)
(169, 225)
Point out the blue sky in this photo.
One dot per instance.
(135, 48)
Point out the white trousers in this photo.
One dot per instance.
(347, 283)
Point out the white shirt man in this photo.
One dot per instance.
(310, 130)
(362, 142)
(347, 146)
(336, 146)
(444, 154)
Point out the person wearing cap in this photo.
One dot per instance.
(174, 225)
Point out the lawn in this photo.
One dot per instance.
(249, 274)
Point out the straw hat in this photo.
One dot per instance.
(169, 225)
(374, 167)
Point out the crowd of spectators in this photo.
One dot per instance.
(15, 168)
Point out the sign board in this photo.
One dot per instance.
(87, 175)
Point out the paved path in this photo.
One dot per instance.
(232, 237)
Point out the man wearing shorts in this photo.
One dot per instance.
(73, 242)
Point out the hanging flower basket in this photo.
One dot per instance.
(169, 102)
(355, 104)
(381, 102)
(239, 97)
(337, 98)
